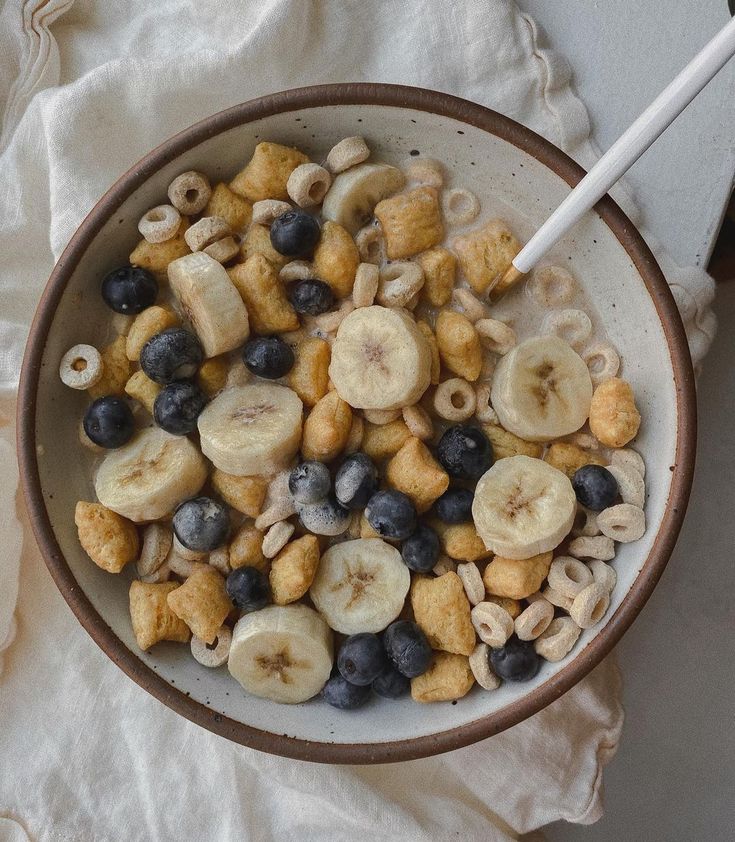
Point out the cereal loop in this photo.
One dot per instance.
(470, 305)
(329, 322)
(455, 400)
(495, 336)
(590, 605)
(296, 270)
(206, 231)
(603, 574)
(160, 223)
(599, 546)
(189, 192)
(157, 542)
(493, 624)
(585, 523)
(624, 523)
(276, 538)
(630, 484)
(558, 640)
(81, 367)
(555, 598)
(367, 279)
(418, 422)
(552, 286)
(460, 206)
(220, 560)
(484, 411)
(223, 250)
(472, 581)
(267, 210)
(370, 244)
(534, 620)
(573, 326)
(347, 153)
(602, 361)
(399, 282)
(568, 576)
(163, 574)
(480, 666)
(212, 655)
(628, 458)
(308, 184)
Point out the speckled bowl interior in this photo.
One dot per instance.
(508, 167)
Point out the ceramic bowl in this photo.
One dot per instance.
(512, 169)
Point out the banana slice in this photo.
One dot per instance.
(211, 302)
(249, 430)
(542, 389)
(354, 193)
(523, 507)
(380, 359)
(282, 653)
(148, 477)
(360, 585)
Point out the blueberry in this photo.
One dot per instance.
(391, 684)
(420, 551)
(408, 648)
(109, 422)
(177, 407)
(595, 487)
(455, 506)
(311, 297)
(465, 452)
(516, 661)
(361, 658)
(295, 233)
(391, 514)
(339, 693)
(248, 588)
(268, 356)
(327, 517)
(172, 354)
(356, 481)
(129, 290)
(309, 482)
(202, 524)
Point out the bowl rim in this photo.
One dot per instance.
(414, 99)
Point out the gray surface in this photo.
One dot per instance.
(622, 55)
(674, 776)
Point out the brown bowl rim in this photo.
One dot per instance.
(417, 99)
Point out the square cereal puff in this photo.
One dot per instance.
(448, 678)
(246, 549)
(245, 494)
(155, 257)
(508, 444)
(293, 569)
(460, 541)
(440, 273)
(258, 241)
(116, 370)
(415, 472)
(212, 375)
(202, 603)
(267, 172)
(109, 539)
(381, 441)
(309, 377)
(516, 578)
(234, 209)
(411, 222)
(336, 259)
(142, 389)
(151, 617)
(569, 458)
(486, 253)
(269, 309)
(442, 610)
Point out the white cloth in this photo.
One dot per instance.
(85, 752)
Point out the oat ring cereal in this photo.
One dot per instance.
(573, 326)
(81, 367)
(589, 605)
(307, 185)
(266, 210)
(418, 422)
(189, 192)
(603, 574)
(480, 666)
(160, 223)
(455, 400)
(206, 231)
(347, 153)
(558, 640)
(369, 242)
(495, 336)
(552, 286)
(471, 306)
(493, 623)
(568, 576)
(367, 280)
(472, 581)
(602, 361)
(213, 655)
(623, 523)
(399, 282)
(534, 620)
(296, 270)
(461, 206)
(597, 546)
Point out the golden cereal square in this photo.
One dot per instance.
(202, 603)
(258, 241)
(442, 610)
(245, 494)
(411, 222)
(440, 272)
(151, 617)
(234, 209)
(486, 253)
(448, 678)
(269, 309)
(267, 172)
(336, 259)
(293, 569)
(116, 370)
(109, 539)
(155, 257)
(415, 472)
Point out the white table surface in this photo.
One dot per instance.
(622, 55)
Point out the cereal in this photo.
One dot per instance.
(399, 282)
(381, 416)
(367, 279)
(121, 324)
(186, 553)
(460, 541)
(469, 573)
(151, 617)
(212, 375)
(266, 174)
(448, 678)
(602, 361)
(155, 257)
(630, 484)
(558, 640)
(507, 444)
(585, 523)
(534, 620)
(460, 206)
(599, 546)
(244, 494)
(293, 569)
(442, 611)
(370, 243)
(555, 598)
(202, 603)
(495, 336)
(614, 418)
(552, 286)
(382, 441)
(568, 576)
(159, 224)
(444, 565)
(212, 657)
(296, 270)
(455, 400)
(493, 624)
(163, 574)
(440, 271)
(484, 411)
(157, 542)
(512, 606)
(190, 192)
(411, 222)
(181, 566)
(246, 548)
(309, 376)
(573, 326)
(266, 210)
(418, 422)
(336, 259)
(143, 389)
(426, 171)
(433, 350)
(516, 578)
(223, 250)
(354, 439)
(235, 210)
(326, 428)
(81, 367)
(623, 523)
(329, 322)
(220, 560)
(459, 345)
(469, 304)
(269, 310)
(349, 152)
(258, 241)
(415, 472)
(590, 605)
(603, 574)
(486, 253)
(109, 540)
(479, 662)
(147, 324)
(569, 458)
(630, 459)
(115, 371)
(308, 184)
